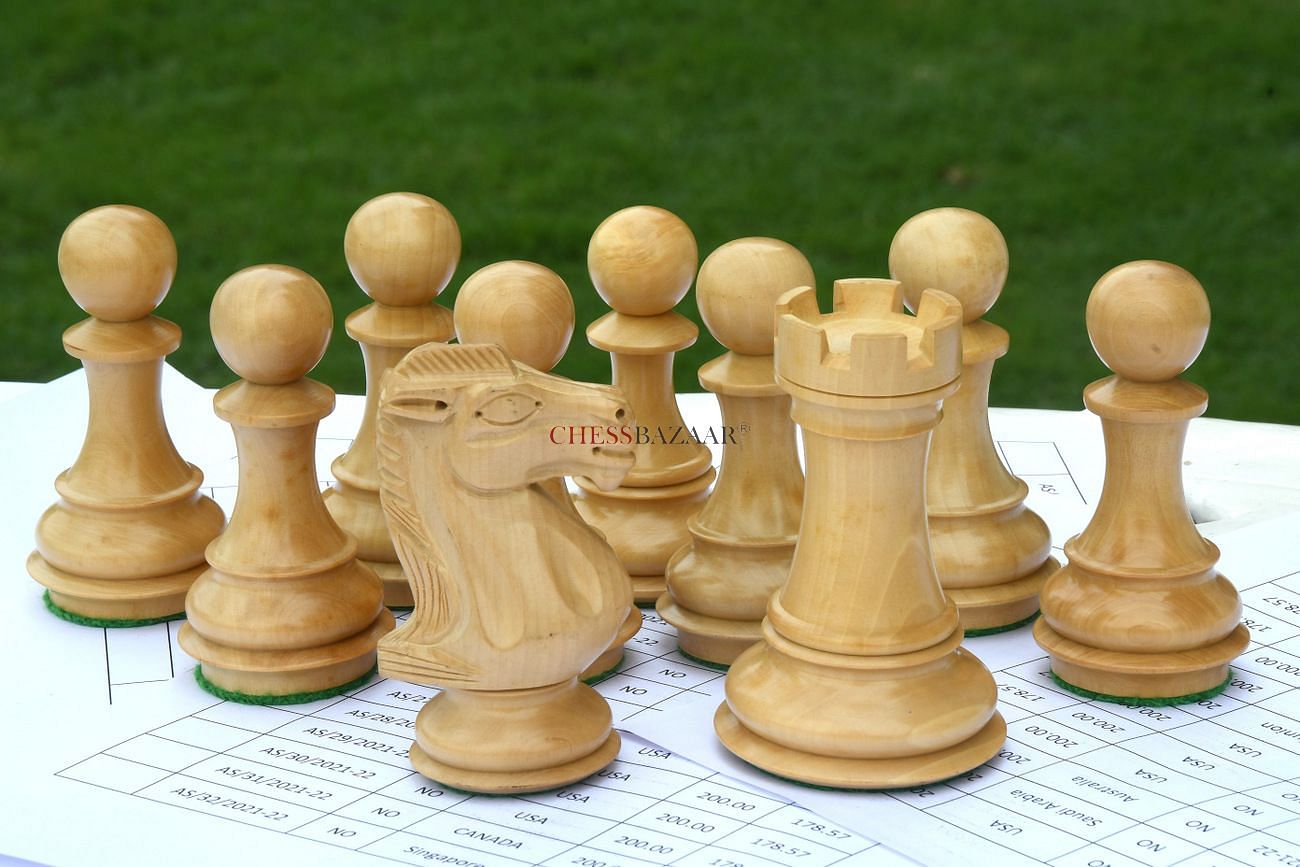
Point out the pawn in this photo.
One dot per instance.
(1140, 614)
(992, 553)
(642, 261)
(402, 249)
(742, 541)
(285, 612)
(527, 310)
(125, 541)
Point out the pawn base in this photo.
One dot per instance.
(515, 782)
(1118, 676)
(646, 589)
(998, 606)
(268, 674)
(200, 677)
(121, 600)
(645, 526)
(850, 773)
(709, 639)
(397, 590)
(605, 664)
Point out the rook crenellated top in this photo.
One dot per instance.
(868, 346)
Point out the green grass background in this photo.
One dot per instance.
(1091, 133)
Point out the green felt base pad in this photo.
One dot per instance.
(1134, 701)
(716, 666)
(104, 622)
(807, 785)
(292, 698)
(994, 630)
(604, 675)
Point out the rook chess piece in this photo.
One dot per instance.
(743, 539)
(513, 597)
(125, 541)
(402, 249)
(285, 611)
(1139, 613)
(860, 680)
(642, 261)
(527, 310)
(991, 552)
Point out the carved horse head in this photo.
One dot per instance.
(464, 433)
(505, 425)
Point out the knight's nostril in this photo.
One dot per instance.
(621, 414)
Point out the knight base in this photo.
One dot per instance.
(513, 741)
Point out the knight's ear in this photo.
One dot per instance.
(433, 405)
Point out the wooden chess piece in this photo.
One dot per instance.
(1139, 611)
(743, 540)
(642, 261)
(513, 596)
(860, 680)
(285, 610)
(527, 310)
(125, 540)
(992, 553)
(402, 249)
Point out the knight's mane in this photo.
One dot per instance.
(454, 363)
(438, 596)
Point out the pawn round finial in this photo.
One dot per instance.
(117, 262)
(738, 286)
(642, 260)
(402, 248)
(953, 250)
(1148, 320)
(271, 323)
(522, 306)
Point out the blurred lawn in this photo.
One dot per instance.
(1092, 133)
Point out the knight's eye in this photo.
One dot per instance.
(509, 408)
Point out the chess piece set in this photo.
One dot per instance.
(837, 600)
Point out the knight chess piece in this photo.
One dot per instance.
(744, 538)
(402, 249)
(642, 261)
(860, 680)
(125, 540)
(992, 553)
(285, 610)
(1139, 613)
(513, 597)
(527, 310)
